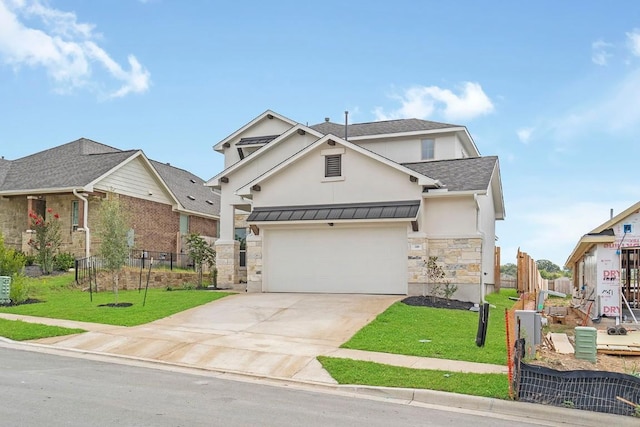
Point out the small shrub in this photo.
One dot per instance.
(19, 292)
(29, 259)
(63, 261)
(11, 261)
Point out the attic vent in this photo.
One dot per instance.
(191, 197)
(209, 202)
(333, 165)
(192, 180)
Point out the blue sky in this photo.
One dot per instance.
(552, 88)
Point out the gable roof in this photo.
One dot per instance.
(381, 127)
(468, 174)
(81, 163)
(266, 115)
(420, 178)
(601, 234)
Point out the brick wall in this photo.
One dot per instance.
(155, 225)
(203, 226)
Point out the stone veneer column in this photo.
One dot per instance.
(416, 257)
(227, 256)
(461, 260)
(254, 263)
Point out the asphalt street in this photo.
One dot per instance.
(44, 389)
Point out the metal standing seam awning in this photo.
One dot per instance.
(347, 211)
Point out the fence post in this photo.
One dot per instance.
(171, 261)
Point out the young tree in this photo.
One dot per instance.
(202, 253)
(46, 241)
(114, 248)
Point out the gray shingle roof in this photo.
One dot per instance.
(380, 128)
(470, 174)
(74, 164)
(81, 162)
(346, 211)
(189, 189)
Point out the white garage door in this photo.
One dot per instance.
(336, 259)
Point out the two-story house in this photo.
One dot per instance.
(357, 208)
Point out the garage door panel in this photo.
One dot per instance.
(336, 260)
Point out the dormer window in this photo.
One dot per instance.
(333, 165)
(428, 149)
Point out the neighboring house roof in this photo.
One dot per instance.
(80, 163)
(601, 234)
(337, 212)
(469, 174)
(381, 128)
(189, 189)
(54, 168)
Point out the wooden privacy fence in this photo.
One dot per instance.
(529, 278)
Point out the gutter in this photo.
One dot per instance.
(85, 223)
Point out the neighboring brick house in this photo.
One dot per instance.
(163, 202)
(357, 208)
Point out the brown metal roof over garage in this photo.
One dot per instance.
(348, 211)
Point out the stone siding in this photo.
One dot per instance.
(226, 255)
(254, 263)
(129, 278)
(461, 260)
(13, 220)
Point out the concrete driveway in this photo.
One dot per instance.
(275, 335)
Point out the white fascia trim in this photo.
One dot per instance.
(218, 147)
(43, 191)
(215, 181)
(422, 179)
(434, 194)
(401, 134)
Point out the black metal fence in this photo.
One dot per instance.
(142, 259)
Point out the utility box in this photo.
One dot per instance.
(586, 343)
(529, 324)
(5, 289)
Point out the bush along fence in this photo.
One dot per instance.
(86, 268)
(598, 391)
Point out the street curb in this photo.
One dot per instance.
(442, 400)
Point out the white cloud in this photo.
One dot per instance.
(65, 48)
(599, 52)
(424, 101)
(633, 38)
(524, 135)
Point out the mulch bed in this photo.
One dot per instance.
(436, 302)
(120, 304)
(27, 301)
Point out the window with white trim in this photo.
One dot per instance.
(333, 165)
(75, 215)
(428, 149)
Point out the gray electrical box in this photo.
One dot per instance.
(529, 327)
(5, 289)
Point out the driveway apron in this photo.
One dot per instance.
(274, 335)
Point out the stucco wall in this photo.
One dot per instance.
(364, 180)
(449, 216)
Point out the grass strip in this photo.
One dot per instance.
(347, 371)
(18, 330)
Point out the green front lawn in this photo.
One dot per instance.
(437, 332)
(61, 301)
(347, 371)
(22, 331)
